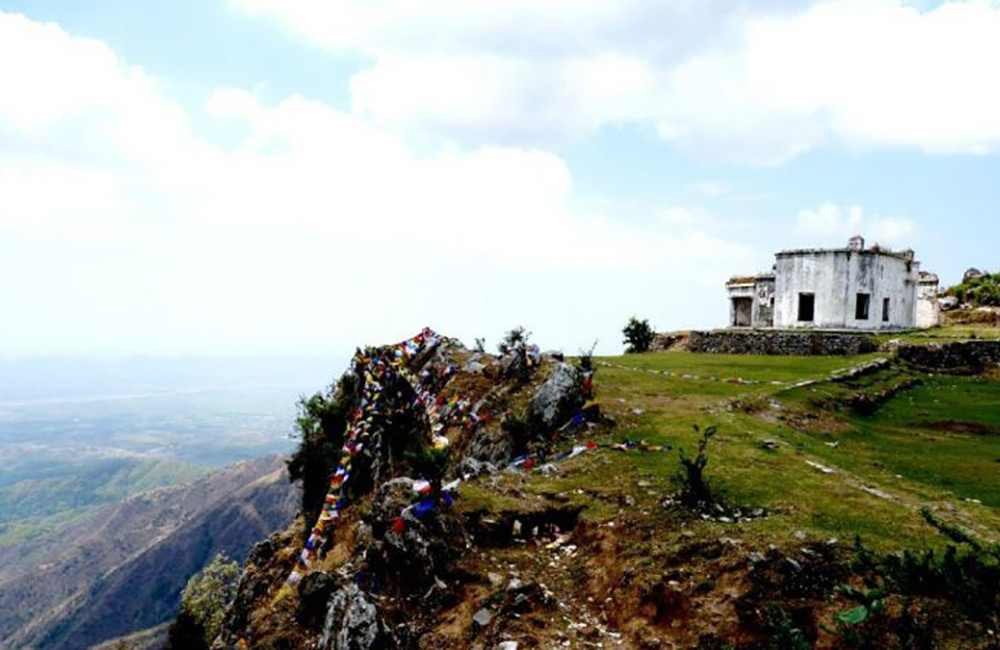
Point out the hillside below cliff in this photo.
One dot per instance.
(123, 568)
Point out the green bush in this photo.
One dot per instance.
(979, 292)
(203, 605)
(639, 335)
(524, 432)
(966, 574)
(321, 425)
(514, 341)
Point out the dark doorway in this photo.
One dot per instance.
(807, 307)
(862, 306)
(885, 310)
(742, 308)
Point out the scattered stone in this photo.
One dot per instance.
(482, 617)
(507, 645)
(800, 534)
(770, 445)
(820, 467)
(514, 584)
(875, 492)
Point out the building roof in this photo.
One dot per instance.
(873, 250)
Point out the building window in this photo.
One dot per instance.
(861, 307)
(885, 310)
(807, 307)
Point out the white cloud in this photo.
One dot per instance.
(710, 189)
(714, 77)
(321, 230)
(832, 223)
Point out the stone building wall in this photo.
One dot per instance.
(928, 305)
(776, 342)
(960, 356)
(835, 278)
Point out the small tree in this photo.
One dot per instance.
(515, 344)
(204, 603)
(639, 335)
(587, 358)
(514, 341)
(695, 491)
(321, 423)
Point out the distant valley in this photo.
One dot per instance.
(122, 568)
(118, 482)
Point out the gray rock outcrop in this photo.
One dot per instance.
(353, 623)
(559, 398)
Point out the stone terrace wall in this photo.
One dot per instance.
(781, 342)
(960, 356)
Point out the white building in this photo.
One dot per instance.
(853, 288)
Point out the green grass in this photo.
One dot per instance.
(943, 334)
(902, 450)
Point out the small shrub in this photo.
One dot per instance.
(587, 359)
(513, 341)
(524, 432)
(321, 425)
(966, 574)
(784, 634)
(203, 605)
(639, 335)
(695, 491)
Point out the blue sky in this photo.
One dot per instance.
(265, 177)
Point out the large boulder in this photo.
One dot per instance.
(315, 590)
(972, 274)
(559, 398)
(948, 303)
(353, 623)
(491, 447)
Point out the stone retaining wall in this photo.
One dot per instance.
(972, 357)
(781, 342)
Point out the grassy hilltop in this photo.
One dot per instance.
(854, 503)
(822, 468)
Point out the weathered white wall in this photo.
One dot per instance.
(738, 292)
(928, 307)
(835, 277)
(763, 302)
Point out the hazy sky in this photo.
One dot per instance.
(302, 176)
